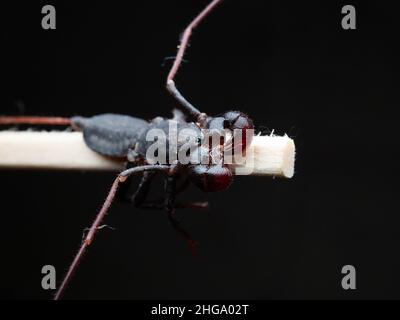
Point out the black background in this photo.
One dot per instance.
(291, 67)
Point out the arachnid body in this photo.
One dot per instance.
(127, 137)
(202, 139)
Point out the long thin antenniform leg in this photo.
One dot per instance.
(200, 117)
(34, 120)
(100, 216)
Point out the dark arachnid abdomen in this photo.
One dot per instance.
(111, 134)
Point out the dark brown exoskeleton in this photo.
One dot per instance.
(126, 137)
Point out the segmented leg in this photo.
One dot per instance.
(122, 177)
(199, 116)
(139, 197)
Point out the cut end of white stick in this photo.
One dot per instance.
(267, 155)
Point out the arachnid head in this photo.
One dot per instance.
(210, 178)
(238, 123)
(213, 174)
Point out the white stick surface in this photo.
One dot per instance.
(269, 155)
(50, 150)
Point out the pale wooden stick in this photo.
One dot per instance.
(50, 150)
(268, 155)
